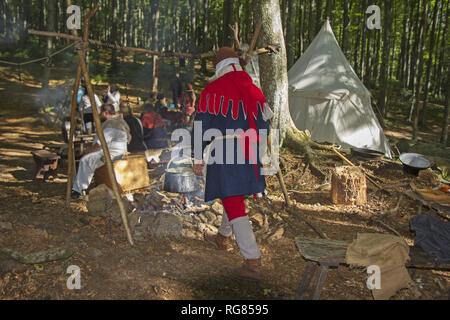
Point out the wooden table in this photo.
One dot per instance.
(326, 253)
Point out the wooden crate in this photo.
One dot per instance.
(131, 174)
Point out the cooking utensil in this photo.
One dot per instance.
(180, 179)
(414, 162)
(366, 153)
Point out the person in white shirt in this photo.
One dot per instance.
(86, 110)
(113, 96)
(117, 136)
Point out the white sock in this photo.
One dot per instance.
(245, 238)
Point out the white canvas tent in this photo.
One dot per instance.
(327, 98)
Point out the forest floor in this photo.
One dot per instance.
(176, 268)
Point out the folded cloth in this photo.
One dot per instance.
(387, 252)
(432, 235)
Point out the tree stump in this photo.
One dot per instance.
(348, 186)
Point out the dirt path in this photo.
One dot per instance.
(155, 268)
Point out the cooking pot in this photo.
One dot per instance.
(180, 179)
(367, 153)
(414, 162)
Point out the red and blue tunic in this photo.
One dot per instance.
(233, 102)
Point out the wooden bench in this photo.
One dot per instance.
(325, 253)
(46, 162)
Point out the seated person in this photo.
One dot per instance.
(188, 103)
(117, 136)
(155, 135)
(113, 96)
(136, 130)
(85, 109)
(160, 105)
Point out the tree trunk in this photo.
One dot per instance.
(348, 186)
(205, 38)
(429, 62)
(51, 6)
(382, 100)
(440, 89)
(419, 76)
(345, 27)
(301, 15)
(155, 19)
(445, 123)
(228, 19)
(290, 34)
(274, 80)
(311, 21)
(415, 48)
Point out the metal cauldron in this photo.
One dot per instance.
(181, 179)
(414, 162)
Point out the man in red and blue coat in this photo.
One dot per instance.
(236, 110)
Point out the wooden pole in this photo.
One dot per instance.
(81, 50)
(142, 50)
(71, 170)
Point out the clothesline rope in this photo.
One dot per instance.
(39, 59)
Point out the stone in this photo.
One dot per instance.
(258, 218)
(5, 226)
(41, 232)
(93, 252)
(210, 216)
(191, 234)
(102, 192)
(217, 222)
(133, 218)
(217, 207)
(203, 218)
(202, 227)
(166, 224)
(277, 235)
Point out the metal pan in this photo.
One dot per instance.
(414, 162)
(366, 153)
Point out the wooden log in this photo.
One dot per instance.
(54, 254)
(348, 186)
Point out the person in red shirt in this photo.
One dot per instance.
(155, 135)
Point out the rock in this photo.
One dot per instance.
(203, 218)
(41, 232)
(277, 235)
(166, 224)
(217, 222)
(202, 227)
(5, 226)
(192, 234)
(133, 218)
(217, 207)
(210, 216)
(93, 252)
(102, 192)
(258, 218)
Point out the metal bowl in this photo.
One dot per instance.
(414, 162)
